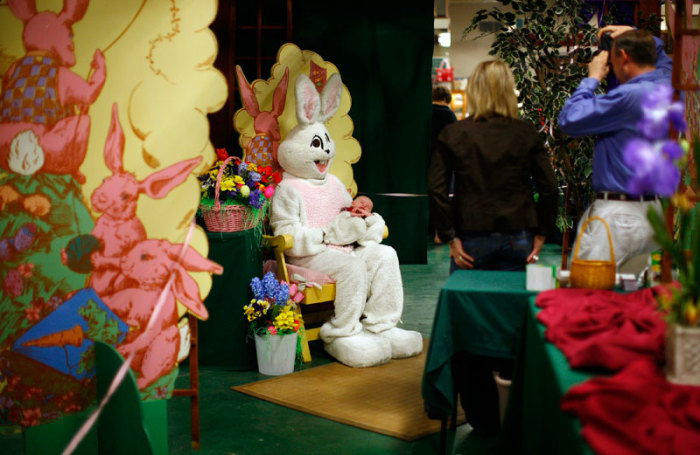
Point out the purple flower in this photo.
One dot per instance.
(243, 167)
(257, 199)
(254, 177)
(657, 110)
(652, 166)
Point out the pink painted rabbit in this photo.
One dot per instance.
(149, 264)
(262, 149)
(119, 228)
(44, 126)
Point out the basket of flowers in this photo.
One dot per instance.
(235, 194)
(274, 323)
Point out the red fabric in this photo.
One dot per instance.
(637, 412)
(606, 329)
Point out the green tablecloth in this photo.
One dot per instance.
(534, 423)
(479, 312)
(223, 337)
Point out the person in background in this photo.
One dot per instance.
(493, 221)
(639, 62)
(442, 116)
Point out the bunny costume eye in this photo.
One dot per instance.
(317, 142)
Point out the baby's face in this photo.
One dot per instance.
(363, 203)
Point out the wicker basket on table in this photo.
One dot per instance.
(593, 274)
(228, 217)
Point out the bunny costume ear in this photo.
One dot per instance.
(308, 103)
(330, 97)
(73, 11)
(22, 9)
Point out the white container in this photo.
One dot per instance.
(276, 353)
(540, 277)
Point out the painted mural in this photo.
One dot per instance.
(103, 130)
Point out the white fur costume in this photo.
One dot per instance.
(308, 205)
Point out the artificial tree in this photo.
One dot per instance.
(548, 45)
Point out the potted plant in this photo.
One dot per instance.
(656, 162)
(235, 193)
(274, 324)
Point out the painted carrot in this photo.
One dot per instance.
(72, 337)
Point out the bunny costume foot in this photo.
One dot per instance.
(309, 205)
(360, 351)
(404, 343)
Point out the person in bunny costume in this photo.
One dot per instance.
(309, 205)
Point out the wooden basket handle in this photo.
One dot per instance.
(217, 188)
(607, 230)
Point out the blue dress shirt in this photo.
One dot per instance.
(613, 119)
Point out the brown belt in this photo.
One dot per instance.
(608, 196)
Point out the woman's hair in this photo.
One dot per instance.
(491, 91)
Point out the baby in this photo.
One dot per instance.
(358, 218)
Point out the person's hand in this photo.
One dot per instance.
(462, 259)
(537, 244)
(615, 30)
(598, 68)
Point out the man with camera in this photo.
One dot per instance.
(639, 63)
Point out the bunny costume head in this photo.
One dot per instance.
(309, 204)
(308, 149)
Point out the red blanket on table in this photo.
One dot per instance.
(637, 412)
(606, 329)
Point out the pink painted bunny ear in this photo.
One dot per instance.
(114, 146)
(159, 184)
(73, 11)
(308, 103)
(330, 97)
(22, 9)
(247, 94)
(280, 96)
(185, 287)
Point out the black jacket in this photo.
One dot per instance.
(493, 161)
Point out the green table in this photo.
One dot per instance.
(478, 312)
(223, 339)
(534, 423)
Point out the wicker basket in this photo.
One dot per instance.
(231, 217)
(683, 354)
(592, 274)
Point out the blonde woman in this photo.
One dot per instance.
(493, 221)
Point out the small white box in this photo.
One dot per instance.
(540, 277)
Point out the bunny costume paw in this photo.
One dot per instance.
(404, 343)
(361, 350)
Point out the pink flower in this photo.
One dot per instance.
(30, 417)
(14, 283)
(26, 269)
(32, 314)
(272, 330)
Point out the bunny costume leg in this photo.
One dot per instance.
(343, 335)
(385, 301)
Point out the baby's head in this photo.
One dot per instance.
(361, 206)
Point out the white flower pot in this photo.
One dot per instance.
(276, 353)
(683, 354)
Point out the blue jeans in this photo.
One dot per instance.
(496, 250)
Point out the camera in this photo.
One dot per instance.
(605, 42)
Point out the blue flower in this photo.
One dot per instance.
(243, 167)
(254, 177)
(270, 285)
(257, 287)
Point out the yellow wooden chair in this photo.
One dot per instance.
(317, 305)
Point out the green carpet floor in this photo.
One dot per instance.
(234, 423)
